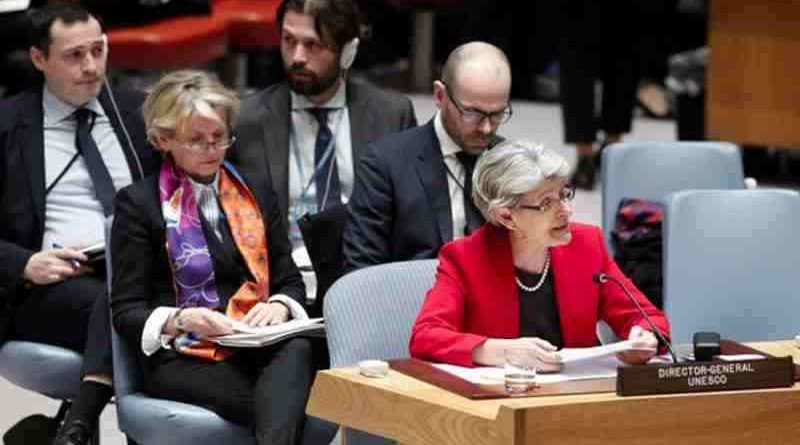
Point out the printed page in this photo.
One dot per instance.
(251, 337)
(242, 328)
(574, 354)
(590, 368)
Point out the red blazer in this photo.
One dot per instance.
(475, 296)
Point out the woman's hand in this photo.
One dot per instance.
(263, 314)
(492, 352)
(645, 345)
(205, 323)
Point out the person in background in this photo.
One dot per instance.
(197, 247)
(525, 279)
(310, 131)
(66, 146)
(599, 45)
(17, 73)
(412, 188)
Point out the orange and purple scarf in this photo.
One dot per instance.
(187, 247)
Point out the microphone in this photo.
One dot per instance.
(602, 278)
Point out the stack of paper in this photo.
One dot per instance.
(569, 355)
(579, 364)
(253, 337)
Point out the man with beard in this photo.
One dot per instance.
(413, 189)
(309, 132)
(65, 148)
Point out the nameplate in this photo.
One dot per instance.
(717, 375)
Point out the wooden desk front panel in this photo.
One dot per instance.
(415, 412)
(753, 92)
(719, 418)
(401, 408)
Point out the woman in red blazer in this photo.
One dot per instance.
(525, 278)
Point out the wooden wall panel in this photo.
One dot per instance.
(753, 87)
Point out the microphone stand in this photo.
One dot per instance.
(602, 278)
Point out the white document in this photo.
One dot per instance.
(737, 357)
(569, 355)
(590, 368)
(253, 337)
(95, 252)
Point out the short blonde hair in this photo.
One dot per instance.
(504, 174)
(179, 95)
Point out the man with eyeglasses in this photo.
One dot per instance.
(413, 189)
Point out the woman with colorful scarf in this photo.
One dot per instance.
(198, 248)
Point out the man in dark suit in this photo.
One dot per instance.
(310, 131)
(413, 189)
(65, 148)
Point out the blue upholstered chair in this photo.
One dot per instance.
(49, 370)
(652, 170)
(369, 314)
(148, 420)
(730, 264)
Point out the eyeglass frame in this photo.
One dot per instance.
(548, 203)
(467, 114)
(208, 146)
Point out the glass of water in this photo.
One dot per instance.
(519, 370)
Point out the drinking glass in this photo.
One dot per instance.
(519, 370)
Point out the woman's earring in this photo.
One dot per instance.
(504, 217)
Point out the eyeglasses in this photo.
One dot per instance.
(565, 195)
(203, 146)
(474, 117)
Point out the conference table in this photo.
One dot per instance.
(412, 411)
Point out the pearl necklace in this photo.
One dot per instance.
(538, 285)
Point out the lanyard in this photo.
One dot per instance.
(450, 173)
(330, 150)
(71, 161)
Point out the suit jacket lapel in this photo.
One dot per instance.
(502, 285)
(566, 288)
(277, 124)
(361, 121)
(31, 144)
(433, 174)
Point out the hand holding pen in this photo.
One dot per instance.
(54, 265)
(76, 264)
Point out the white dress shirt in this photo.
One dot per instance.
(302, 191)
(73, 215)
(302, 140)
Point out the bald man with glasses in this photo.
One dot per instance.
(413, 189)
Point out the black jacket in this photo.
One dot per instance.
(141, 273)
(22, 175)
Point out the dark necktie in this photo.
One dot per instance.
(101, 179)
(326, 177)
(472, 216)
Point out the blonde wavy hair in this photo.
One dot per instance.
(180, 95)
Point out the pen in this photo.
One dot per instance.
(75, 263)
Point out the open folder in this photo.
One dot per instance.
(254, 337)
